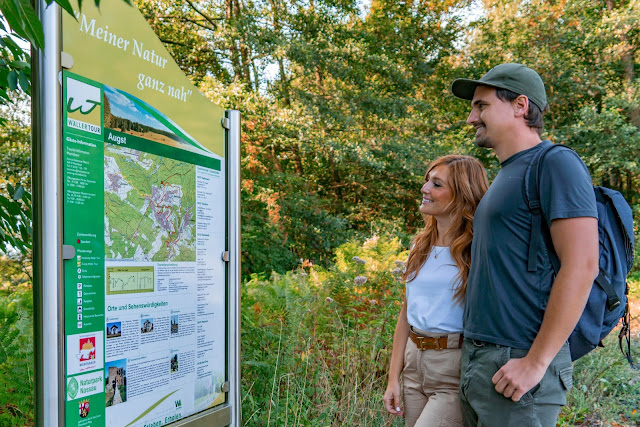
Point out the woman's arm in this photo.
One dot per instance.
(392, 395)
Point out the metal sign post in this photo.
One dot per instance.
(233, 183)
(47, 222)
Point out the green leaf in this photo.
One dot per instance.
(23, 20)
(19, 192)
(19, 64)
(13, 209)
(4, 74)
(25, 236)
(24, 82)
(13, 80)
(65, 5)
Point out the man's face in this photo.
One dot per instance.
(490, 116)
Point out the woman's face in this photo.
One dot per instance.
(436, 192)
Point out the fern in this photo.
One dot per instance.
(16, 359)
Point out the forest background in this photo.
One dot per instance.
(344, 104)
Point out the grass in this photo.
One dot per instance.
(606, 388)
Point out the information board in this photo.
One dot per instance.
(144, 207)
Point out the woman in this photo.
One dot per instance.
(428, 335)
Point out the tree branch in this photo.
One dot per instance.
(205, 16)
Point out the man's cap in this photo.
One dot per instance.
(514, 77)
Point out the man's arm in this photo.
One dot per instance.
(576, 243)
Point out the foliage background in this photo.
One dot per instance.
(344, 104)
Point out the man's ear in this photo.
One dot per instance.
(520, 106)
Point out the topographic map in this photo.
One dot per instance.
(149, 206)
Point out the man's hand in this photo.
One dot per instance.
(391, 399)
(517, 377)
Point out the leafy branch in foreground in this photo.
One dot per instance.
(15, 220)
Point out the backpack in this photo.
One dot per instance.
(607, 302)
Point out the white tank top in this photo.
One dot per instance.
(430, 303)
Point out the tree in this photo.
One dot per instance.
(338, 140)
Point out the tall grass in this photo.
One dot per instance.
(316, 342)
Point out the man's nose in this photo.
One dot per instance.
(472, 117)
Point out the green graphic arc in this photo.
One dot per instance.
(73, 110)
(151, 408)
(162, 119)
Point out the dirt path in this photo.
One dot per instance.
(116, 397)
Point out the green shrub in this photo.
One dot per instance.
(16, 358)
(316, 344)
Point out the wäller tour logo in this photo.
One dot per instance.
(84, 106)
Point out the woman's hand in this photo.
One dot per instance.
(391, 399)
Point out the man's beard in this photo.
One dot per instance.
(482, 140)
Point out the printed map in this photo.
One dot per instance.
(149, 206)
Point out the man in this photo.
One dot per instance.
(516, 366)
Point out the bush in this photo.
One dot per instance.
(16, 358)
(316, 342)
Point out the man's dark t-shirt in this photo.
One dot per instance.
(505, 303)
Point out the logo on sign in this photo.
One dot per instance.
(84, 106)
(87, 349)
(83, 408)
(72, 388)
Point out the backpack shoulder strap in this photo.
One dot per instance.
(542, 239)
(531, 184)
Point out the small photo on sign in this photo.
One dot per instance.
(116, 382)
(146, 325)
(174, 324)
(174, 363)
(114, 329)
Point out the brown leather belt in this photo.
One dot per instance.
(432, 343)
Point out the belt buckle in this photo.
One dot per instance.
(438, 346)
(421, 342)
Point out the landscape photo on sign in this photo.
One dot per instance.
(128, 114)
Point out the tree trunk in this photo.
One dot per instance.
(233, 48)
(283, 76)
(628, 59)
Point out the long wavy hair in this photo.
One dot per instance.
(468, 182)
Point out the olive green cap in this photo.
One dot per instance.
(514, 77)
